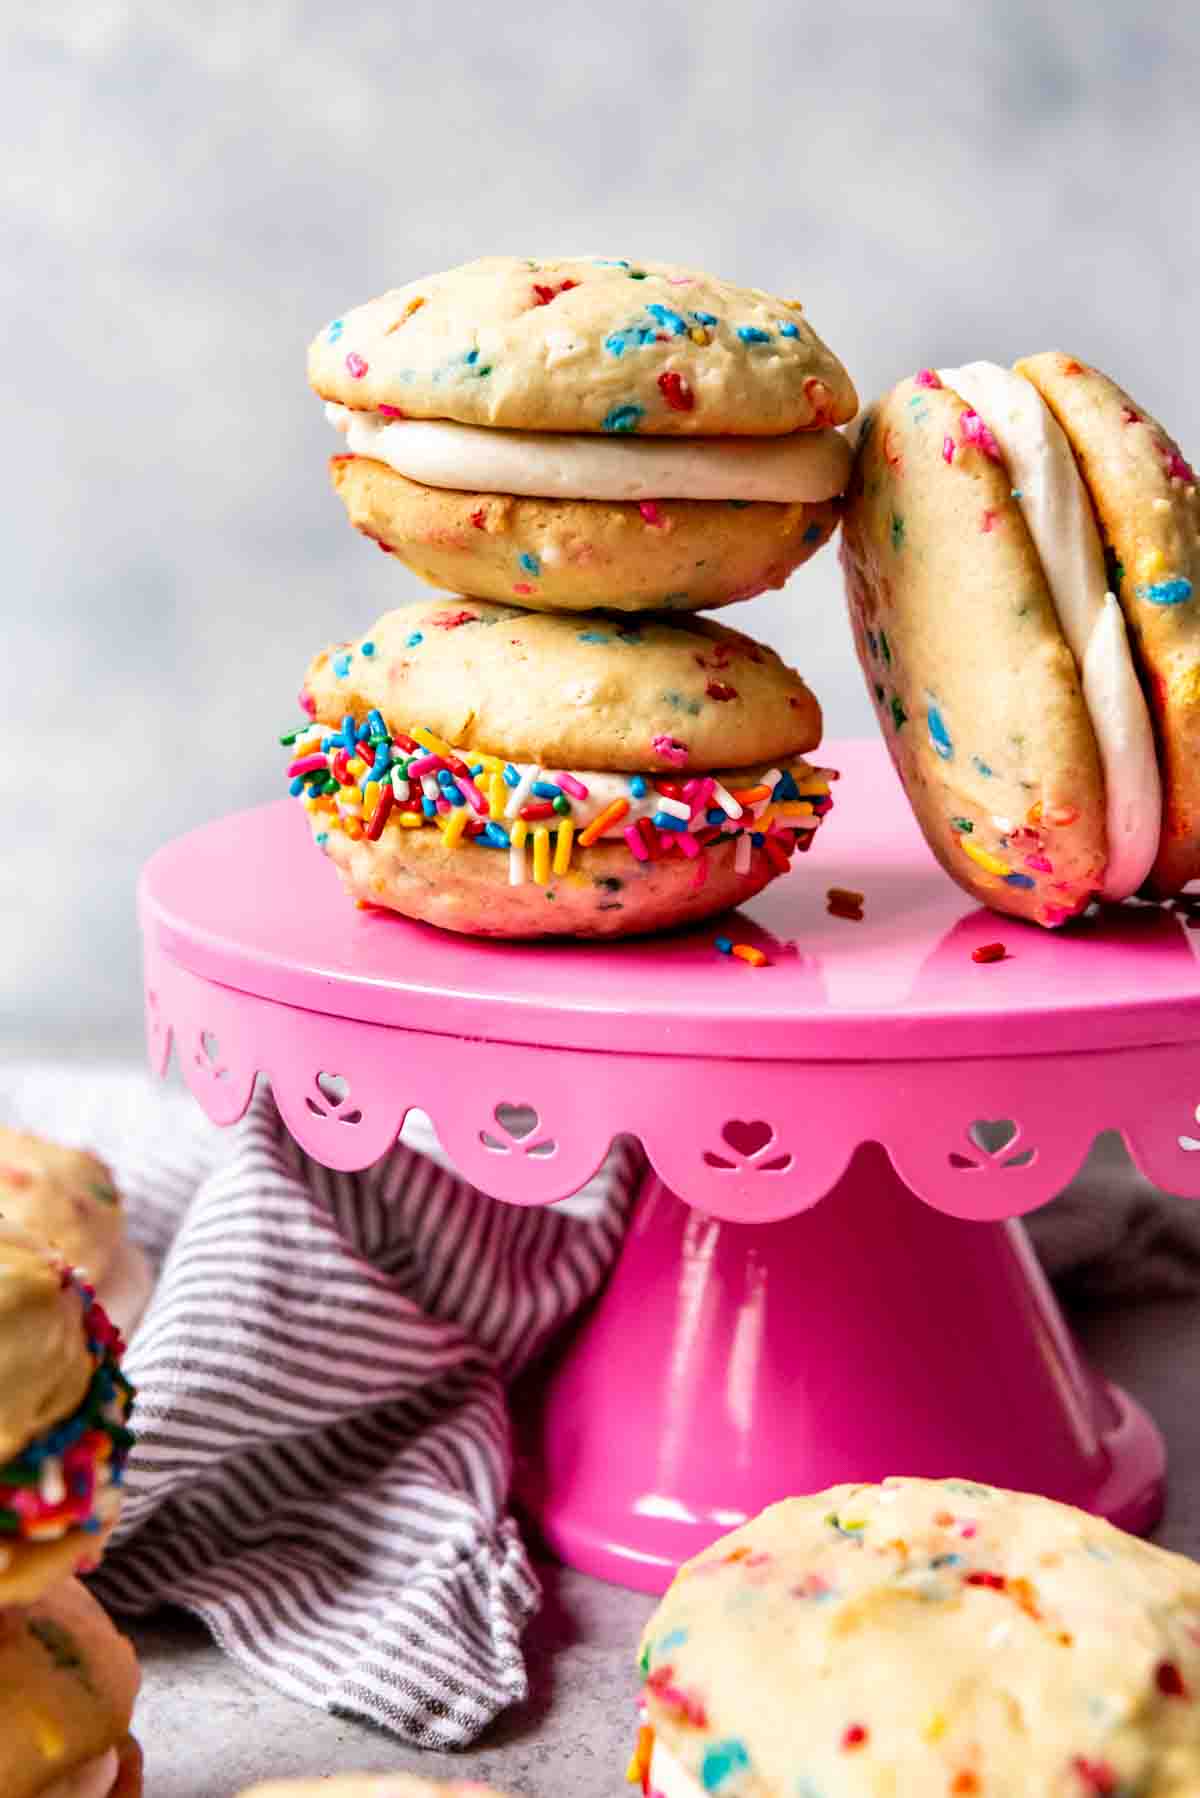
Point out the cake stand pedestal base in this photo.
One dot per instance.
(730, 1365)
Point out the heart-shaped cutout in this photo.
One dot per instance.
(335, 1087)
(993, 1134)
(519, 1121)
(748, 1137)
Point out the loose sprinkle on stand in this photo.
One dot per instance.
(748, 953)
(843, 902)
(990, 952)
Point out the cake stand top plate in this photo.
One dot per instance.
(247, 902)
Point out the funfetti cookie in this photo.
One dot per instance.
(1146, 499)
(64, 1408)
(587, 432)
(923, 1637)
(67, 1197)
(1000, 666)
(572, 554)
(68, 1682)
(522, 774)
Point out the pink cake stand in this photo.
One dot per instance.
(751, 1342)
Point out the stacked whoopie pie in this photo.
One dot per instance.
(67, 1679)
(1022, 557)
(585, 452)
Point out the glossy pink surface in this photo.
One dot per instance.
(248, 901)
(762, 1342)
(728, 1366)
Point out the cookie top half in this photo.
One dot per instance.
(575, 691)
(585, 344)
(924, 1636)
(63, 1196)
(1147, 500)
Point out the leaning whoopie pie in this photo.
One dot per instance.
(522, 774)
(64, 1409)
(1022, 558)
(68, 1198)
(68, 1681)
(579, 433)
(924, 1637)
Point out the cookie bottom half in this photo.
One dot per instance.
(605, 892)
(578, 554)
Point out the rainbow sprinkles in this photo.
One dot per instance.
(367, 777)
(67, 1479)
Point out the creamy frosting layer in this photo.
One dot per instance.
(640, 794)
(1057, 511)
(802, 466)
(95, 1779)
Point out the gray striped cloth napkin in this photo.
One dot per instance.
(324, 1448)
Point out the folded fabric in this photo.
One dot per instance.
(325, 1448)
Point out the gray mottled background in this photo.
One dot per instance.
(191, 190)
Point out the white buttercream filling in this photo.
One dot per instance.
(668, 1778)
(1054, 504)
(603, 788)
(95, 1779)
(802, 466)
